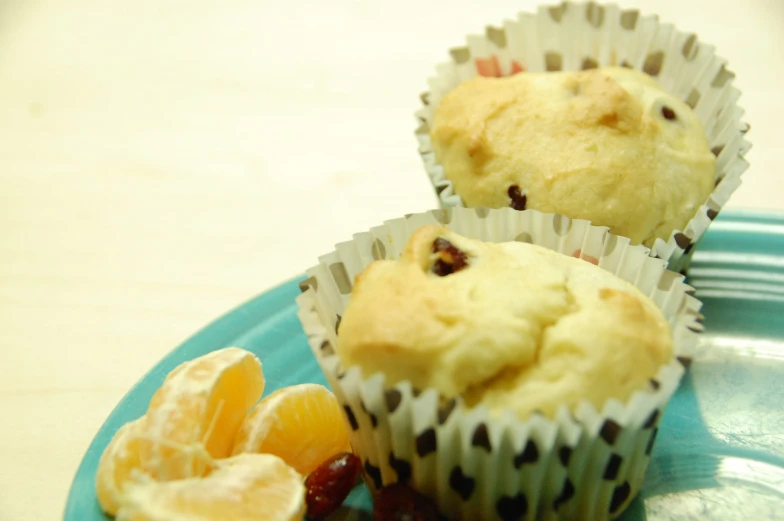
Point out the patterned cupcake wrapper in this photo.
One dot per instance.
(584, 464)
(574, 36)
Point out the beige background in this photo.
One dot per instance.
(163, 161)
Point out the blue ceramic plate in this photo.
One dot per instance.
(720, 452)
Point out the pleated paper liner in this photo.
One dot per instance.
(584, 464)
(574, 36)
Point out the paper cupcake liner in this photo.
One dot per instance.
(585, 464)
(573, 36)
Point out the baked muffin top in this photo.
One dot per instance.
(509, 325)
(607, 145)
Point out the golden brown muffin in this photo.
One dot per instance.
(509, 325)
(607, 145)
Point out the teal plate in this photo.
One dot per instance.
(720, 452)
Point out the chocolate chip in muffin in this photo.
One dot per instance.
(668, 113)
(449, 258)
(518, 198)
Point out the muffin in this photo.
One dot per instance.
(607, 145)
(479, 363)
(508, 325)
(591, 111)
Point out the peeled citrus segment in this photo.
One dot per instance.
(119, 459)
(248, 487)
(303, 424)
(199, 407)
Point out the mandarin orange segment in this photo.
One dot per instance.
(248, 487)
(119, 459)
(200, 405)
(303, 424)
(191, 420)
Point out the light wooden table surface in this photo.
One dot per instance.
(163, 161)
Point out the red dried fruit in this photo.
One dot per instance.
(328, 485)
(400, 503)
(450, 259)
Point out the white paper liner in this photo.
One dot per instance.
(585, 462)
(573, 36)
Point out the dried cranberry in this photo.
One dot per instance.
(330, 483)
(400, 503)
(668, 113)
(450, 259)
(518, 198)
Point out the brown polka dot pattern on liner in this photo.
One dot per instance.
(524, 237)
(651, 441)
(693, 98)
(481, 438)
(717, 150)
(651, 421)
(338, 318)
(530, 454)
(557, 11)
(339, 273)
(610, 431)
(690, 47)
(496, 35)
(401, 467)
(327, 348)
(712, 214)
(619, 497)
(445, 410)
(512, 508)
(589, 63)
(612, 467)
(517, 198)
(426, 443)
(561, 224)
(310, 282)
(443, 216)
(653, 63)
(553, 61)
(655, 385)
(629, 19)
(722, 77)
(352, 420)
(462, 484)
(666, 280)
(683, 242)
(374, 473)
(685, 361)
(373, 419)
(567, 493)
(564, 454)
(460, 54)
(425, 97)
(378, 250)
(595, 14)
(441, 188)
(745, 127)
(393, 397)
